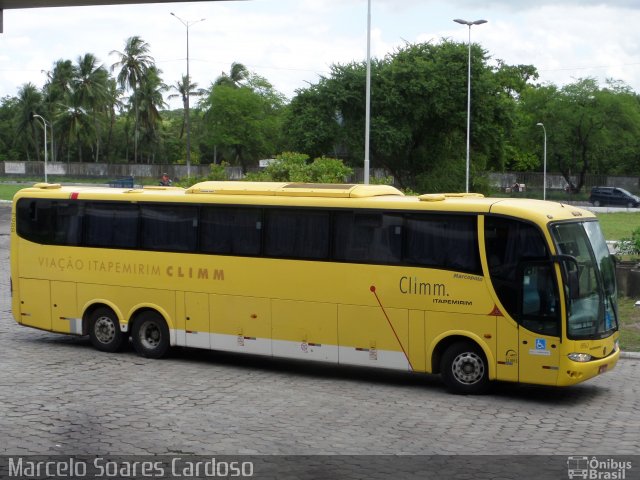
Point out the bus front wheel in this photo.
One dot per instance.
(150, 335)
(104, 330)
(464, 369)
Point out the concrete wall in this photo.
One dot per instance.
(557, 181)
(107, 171)
(112, 171)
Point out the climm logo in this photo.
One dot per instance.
(413, 286)
(198, 273)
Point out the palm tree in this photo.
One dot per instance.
(133, 65)
(29, 102)
(181, 88)
(150, 98)
(115, 105)
(90, 85)
(237, 75)
(75, 123)
(55, 90)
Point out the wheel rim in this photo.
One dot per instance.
(150, 335)
(468, 368)
(104, 329)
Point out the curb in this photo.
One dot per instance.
(630, 355)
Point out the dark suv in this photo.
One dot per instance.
(613, 196)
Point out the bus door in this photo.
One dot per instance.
(539, 323)
(524, 282)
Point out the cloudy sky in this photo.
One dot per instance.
(292, 42)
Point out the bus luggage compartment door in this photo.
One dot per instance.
(35, 303)
(241, 324)
(196, 307)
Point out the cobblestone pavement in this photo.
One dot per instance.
(60, 396)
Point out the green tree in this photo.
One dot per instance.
(29, 102)
(235, 78)
(90, 86)
(56, 89)
(590, 129)
(182, 88)
(243, 121)
(418, 113)
(8, 148)
(133, 64)
(295, 167)
(149, 100)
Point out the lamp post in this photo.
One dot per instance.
(187, 24)
(367, 115)
(44, 125)
(469, 24)
(544, 163)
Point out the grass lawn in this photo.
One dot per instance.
(8, 190)
(629, 324)
(617, 226)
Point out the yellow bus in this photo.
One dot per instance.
(476, 289)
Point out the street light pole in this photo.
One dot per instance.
(44, 125)
(469, 24)
(544, 163)
(367, 119)
(187, 24)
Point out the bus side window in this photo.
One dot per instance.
(508, 243)
(35, 220)
(443, 241)
(111, 225)
(368, 237)
(49, 222)
(230, 230)
(169, 227)
(297, 234)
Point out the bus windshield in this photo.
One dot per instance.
(591, 287)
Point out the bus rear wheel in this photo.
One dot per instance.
(150, 335)
(464, 369)
(104, 330)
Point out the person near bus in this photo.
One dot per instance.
(165, 181)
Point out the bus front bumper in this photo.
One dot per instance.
(572, 372)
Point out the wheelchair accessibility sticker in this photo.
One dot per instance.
(541, 348)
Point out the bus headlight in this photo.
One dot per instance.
(579, 357)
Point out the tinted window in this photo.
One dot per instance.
(49, 221)
(169, 227)
(297, 234)
(509, 242)
(113, 225)
(442, 241)
(539, 309)
(368, 237)
(232, 231)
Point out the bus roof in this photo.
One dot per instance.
(317, 195)
(289, 189)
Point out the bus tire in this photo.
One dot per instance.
(104, 330)
(150, 335)
(464, 369)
